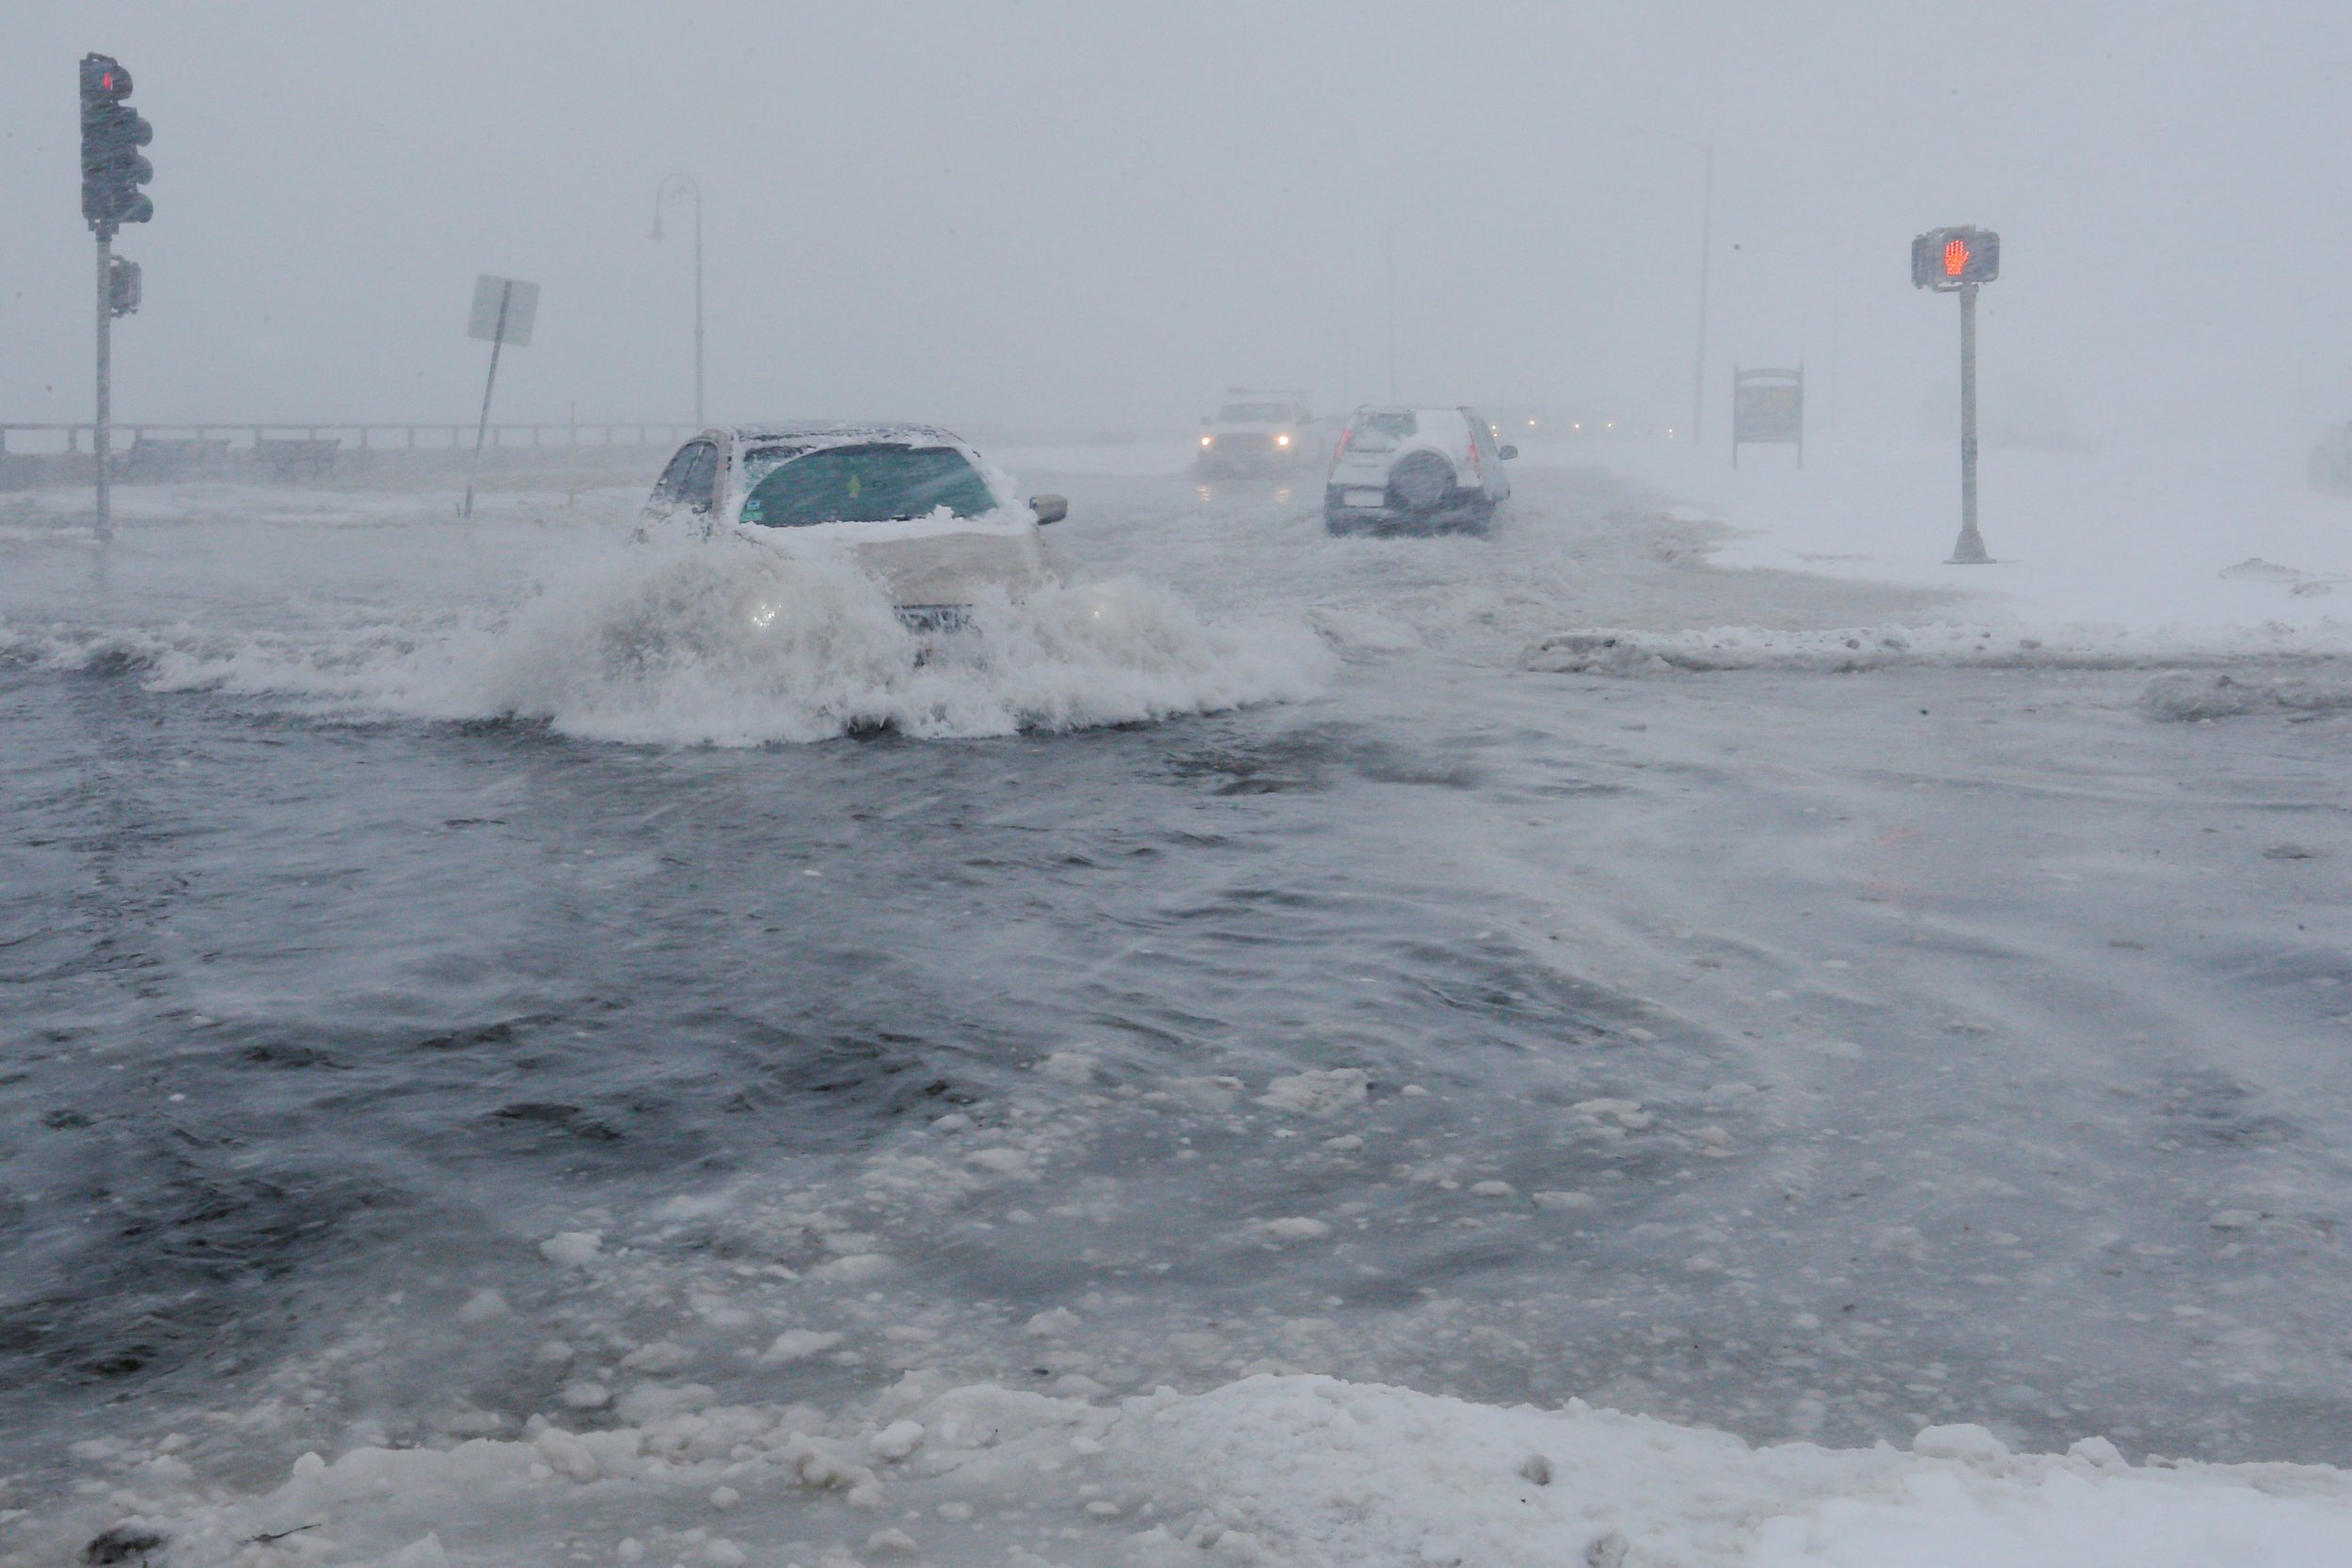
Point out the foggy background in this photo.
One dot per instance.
(1089, 217)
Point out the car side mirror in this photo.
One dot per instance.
(1509, 452)
(1049, 509)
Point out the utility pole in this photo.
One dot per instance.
(1706, 256)
(672, 188)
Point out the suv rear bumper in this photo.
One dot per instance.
(1344, 512)
(1338, 508)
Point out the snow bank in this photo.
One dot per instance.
(2182, 535)
(1311, 1471)
(2193, 696)
(1297, 1471)
(1622, 651)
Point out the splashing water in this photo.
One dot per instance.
(678, 644)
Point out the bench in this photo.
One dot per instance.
(291, 459)
(174, 457)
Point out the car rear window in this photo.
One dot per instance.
(867, 483)
(1379, 429)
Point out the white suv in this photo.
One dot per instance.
(1257, 432)
(1421, 469)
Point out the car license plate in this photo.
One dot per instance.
(1364, 497)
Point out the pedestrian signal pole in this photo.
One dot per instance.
(113, 170)
(1969, 550)
(1958, 261)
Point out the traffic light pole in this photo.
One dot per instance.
(1970, 550)
(102, 435)
(672, 187)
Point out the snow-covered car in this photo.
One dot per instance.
(1256, 433)
(1416, 468)
(917, 507)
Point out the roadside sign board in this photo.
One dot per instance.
(511, 298)
(1768, 409)
(503, 309)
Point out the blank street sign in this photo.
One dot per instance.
(522, 304)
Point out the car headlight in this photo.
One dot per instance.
(1282, 441)
(1208, 440)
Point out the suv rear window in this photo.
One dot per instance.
(867, 483)
(1379, 429)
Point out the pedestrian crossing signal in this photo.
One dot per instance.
(1955, 258)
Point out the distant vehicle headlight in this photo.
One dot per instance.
(1208, 440)
(1282, 441)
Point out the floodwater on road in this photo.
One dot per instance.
(394, 1055)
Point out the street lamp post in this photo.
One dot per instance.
(1706, 256)
(1388, 248)
(1388, 252)
(671, 189)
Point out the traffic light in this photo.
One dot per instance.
(122, 286)
(112, 133)
(1948, 258)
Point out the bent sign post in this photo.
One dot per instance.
(1768, 409)
(505, 310)
(1956, 261)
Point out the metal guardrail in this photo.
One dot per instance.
(402, 437)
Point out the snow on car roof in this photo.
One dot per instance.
(814, 435)
(1419, 413)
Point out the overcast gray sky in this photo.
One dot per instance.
(1098, 215)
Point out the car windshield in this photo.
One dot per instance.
(867, 483)
(1255, 413)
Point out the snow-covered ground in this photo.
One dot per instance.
(1300, 1472)
(1268, 1083)
(2169, 540)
